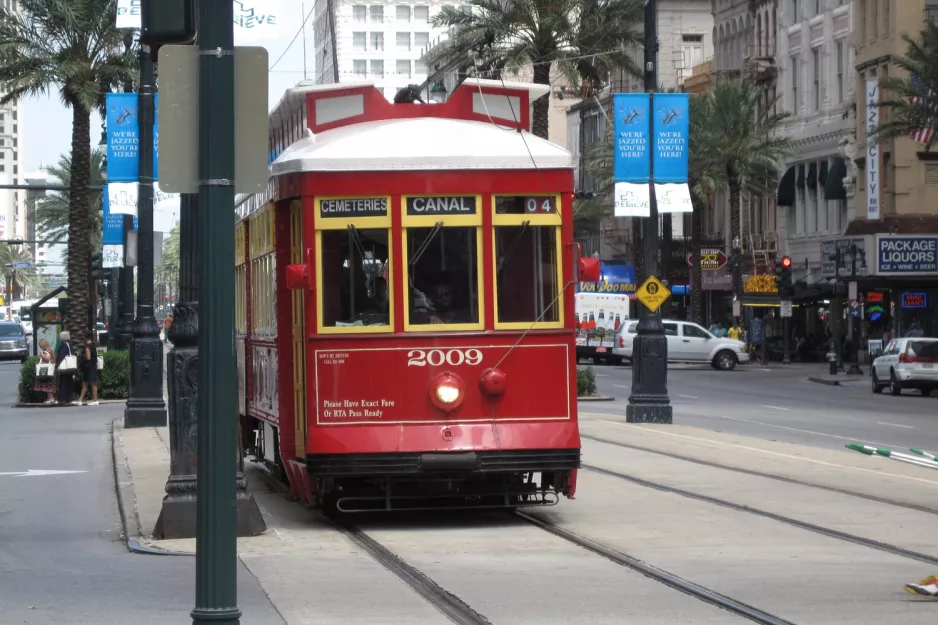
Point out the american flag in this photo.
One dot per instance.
(922, 135)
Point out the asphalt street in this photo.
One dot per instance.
(62, 559)
(781, 404)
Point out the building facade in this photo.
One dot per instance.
(379, 42)
(14, 223)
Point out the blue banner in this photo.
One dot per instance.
(123, 138)
(631, 160)
(671, 136)
(112, 226)
(614, 278)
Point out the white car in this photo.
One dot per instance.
(688, 342)
(907, 363)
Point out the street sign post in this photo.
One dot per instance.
(786, 308)
(22, 264)
(652, 293)
(711, 259)
(179, 119)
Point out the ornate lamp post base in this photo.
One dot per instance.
(146, 408)
(178, 516)
(649, 402)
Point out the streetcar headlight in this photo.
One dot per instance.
(446, 391)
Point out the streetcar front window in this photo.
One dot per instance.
(355, 273)
(526, 273)
(443, 280)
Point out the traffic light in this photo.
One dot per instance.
(786, 283)
(98, 272)
(583, 195)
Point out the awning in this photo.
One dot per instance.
(799, 182)
(812, 176)
(834, 185)
(822, 174)
(786, 189)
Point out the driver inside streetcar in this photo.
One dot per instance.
(442, 309)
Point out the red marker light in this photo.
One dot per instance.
(786, 261)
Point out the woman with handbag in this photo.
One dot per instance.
(45, 372)
(89, 370)
(67, 365)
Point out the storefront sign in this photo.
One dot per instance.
(914, 300)
(832, 249)
(615, 278)
(671, 133)
(631, 159)
(906, 255)
(710, 259)
(450, 205)
(872, 150)
(354, 207)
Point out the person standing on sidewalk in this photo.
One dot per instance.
(46, 385)
(89, 370)
(734, 332)
(66, 389)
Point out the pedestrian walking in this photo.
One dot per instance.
(734, 332)
(46, 384)
(89, 370)
(167, 323)
(66, 365)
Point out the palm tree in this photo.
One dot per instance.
(739, 146)
(74, 47)
(913, 100)
(53, 211)
(15, 280)
(584, 41)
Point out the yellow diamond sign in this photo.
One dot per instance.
(652, 293)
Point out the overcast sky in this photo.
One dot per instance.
(46, 129)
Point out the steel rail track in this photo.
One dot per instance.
(817, 529)
(446, 602)
(668, 579)
(787, 480)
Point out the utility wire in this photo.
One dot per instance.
(295, 37)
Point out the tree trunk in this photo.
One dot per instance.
(79, 239)
(539, 122)
(696, 294)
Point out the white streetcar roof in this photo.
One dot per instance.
(423, 143)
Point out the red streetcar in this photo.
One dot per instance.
(406, 314)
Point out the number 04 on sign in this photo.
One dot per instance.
(652, 293)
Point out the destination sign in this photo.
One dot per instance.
(354, 207)
(447, 205)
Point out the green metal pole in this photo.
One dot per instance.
(216, 593)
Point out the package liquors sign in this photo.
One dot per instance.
(873, 174)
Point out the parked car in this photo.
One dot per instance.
(13, 345)
(907, 363)
(688, 342)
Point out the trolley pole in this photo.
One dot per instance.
(216, 592)
(145, 406)
(648, 402)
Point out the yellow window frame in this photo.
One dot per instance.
(451, 221)
(360, 223)
(555, 220)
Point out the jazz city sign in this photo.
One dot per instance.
(899, 255)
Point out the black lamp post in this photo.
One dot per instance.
(648, 401)
(839, 257)
(145, 406)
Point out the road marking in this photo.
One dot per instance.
(770, 453)
(622, 386)
(776, 408)
(896, 425)
(689, 396)
(785, 427)
(35, 473)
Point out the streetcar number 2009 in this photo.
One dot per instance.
(437, 357)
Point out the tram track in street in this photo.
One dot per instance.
(804, 525)
(668, 579)
(762, 474)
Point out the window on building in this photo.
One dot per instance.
(359, 42)
(420, 68)
(355, 277)
(16, 170)
(402, 42)
(377, 69)
(840, 70)
(817, 7)
(359, 67)
(795, 102)
(443, 275)
(421, 40)
(402, 13)
(422, 14)
(377, 14)
(376, 41)
(3, 155)
(692, 51)
(403, 69)
(794, 11)
(359, 14)
(816, 69)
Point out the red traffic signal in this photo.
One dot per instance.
(786, 262)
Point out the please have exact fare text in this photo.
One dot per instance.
(355, 407)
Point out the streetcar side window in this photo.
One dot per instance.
(355, 273)
(526, 273)
(443, 280)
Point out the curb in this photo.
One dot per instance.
(102, 402)
(854, 380)
(824, 381)
(595, 398)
